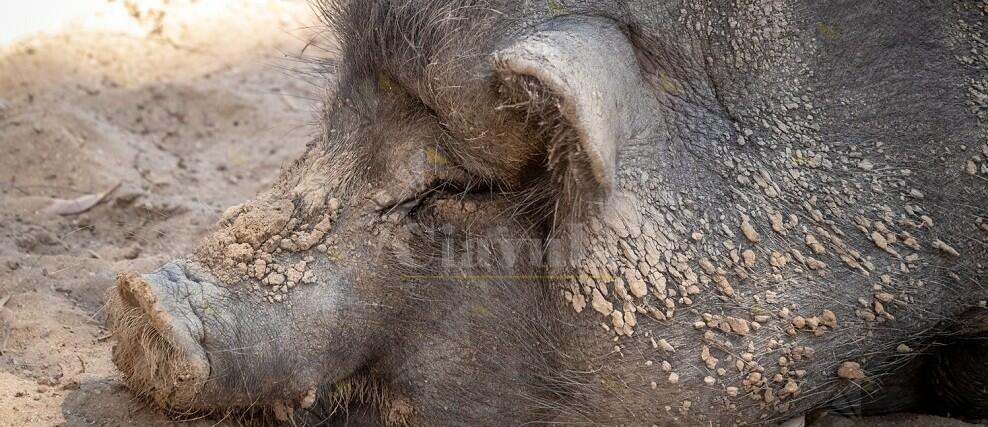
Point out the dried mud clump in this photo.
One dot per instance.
(850, 371)
(252, 234)
(816, 325)
(245, 235)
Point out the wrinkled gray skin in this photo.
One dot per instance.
(534, 194)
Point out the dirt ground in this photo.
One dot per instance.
(181, 108)
(163, 111)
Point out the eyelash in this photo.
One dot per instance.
(438, 190)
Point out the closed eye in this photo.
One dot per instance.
(440, 190)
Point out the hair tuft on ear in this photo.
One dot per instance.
(579, 79)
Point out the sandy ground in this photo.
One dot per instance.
(179, 108)
(185, 108)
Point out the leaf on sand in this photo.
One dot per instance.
(79, 204)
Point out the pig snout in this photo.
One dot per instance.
(158, 335)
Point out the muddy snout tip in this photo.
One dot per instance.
(157, 339)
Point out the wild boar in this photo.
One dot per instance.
(602, 212)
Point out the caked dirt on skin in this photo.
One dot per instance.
(165, 113)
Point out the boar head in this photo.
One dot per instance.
(413, 260)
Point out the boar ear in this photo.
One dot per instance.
(588, 70)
